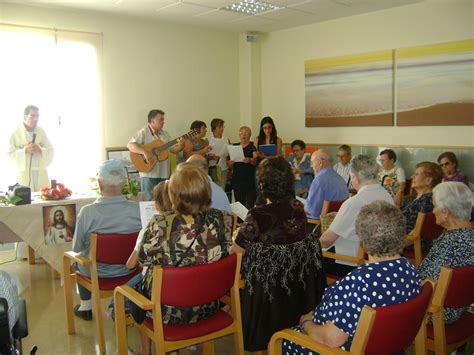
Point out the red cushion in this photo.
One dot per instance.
(184, 286)
(174, 332)
(109, 283)
(395, 327)
(410, 254)
(457, 331)
(115, 248)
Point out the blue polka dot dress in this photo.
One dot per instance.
(376, 284)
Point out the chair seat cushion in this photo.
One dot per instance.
(457, 331)
(109, 283)
(174, 332)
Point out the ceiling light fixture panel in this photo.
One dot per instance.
(251, 7)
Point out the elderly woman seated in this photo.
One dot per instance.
(197, 235)
(391, 177)
(455, 247)
(387, 279)
(427, 175)
(301, 166)
(282, 266)
(449, 163)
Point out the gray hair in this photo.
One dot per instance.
(381, 229)
(112, 181)
(456, 197)
(364, 167)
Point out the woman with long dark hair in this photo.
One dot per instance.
(267, 135)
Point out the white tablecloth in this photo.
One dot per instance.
(25, 223)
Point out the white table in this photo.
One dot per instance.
(25, 223)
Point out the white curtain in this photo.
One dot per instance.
(60, 72)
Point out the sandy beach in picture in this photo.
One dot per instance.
(436, 89)
(351, 94)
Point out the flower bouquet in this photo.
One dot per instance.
(57, 192)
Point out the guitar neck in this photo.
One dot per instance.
(174, 141)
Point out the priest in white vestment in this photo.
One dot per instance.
(31, 151)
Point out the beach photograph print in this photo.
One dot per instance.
(352, 90)
(59, 223)
(435, 84)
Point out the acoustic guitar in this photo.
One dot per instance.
(159, 150)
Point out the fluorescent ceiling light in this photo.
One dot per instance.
(251, 7)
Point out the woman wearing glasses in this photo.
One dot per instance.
(449, 163)
(426, 176)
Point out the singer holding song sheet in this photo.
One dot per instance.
(31, 151)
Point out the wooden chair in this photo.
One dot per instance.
(425, 228)
(185, 287)
(380, 330)
(407, 190)
(359, 259)
(455, 290)
(331, 206)
(105, 249)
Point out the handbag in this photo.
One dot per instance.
(138, 313)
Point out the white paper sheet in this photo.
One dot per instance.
(236, 153)
(147, 210)
(301, 199)
(239, 209)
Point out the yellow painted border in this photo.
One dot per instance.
(434, 49)
(348, 60)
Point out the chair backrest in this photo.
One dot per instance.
(114, 248)
(429, 229)
(189, 286)
(407, 190)
(395, 327)
(331, 206)
(460, 291)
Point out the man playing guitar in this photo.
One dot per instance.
(154, 130)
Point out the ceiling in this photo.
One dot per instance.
(209, 13)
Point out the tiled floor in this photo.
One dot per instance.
(47, 321)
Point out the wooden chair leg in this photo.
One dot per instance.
(99, 320)
(208, 347)
(31, 256)
(68, 300)
(54, 274)
(120, 327)
(239, 342)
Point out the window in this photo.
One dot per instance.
(58, 71)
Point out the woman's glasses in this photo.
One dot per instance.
(445, 164)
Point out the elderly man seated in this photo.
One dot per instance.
(327, 184)
(218, 196)
(342, 235)
(111, 213)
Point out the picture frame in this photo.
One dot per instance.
(122, 154)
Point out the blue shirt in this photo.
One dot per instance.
(327, 185)
(219, 198)
(106, 215)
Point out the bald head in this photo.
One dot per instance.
(321, 159)
(199, 161)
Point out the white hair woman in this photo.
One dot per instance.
(455, 247)
(381, 227)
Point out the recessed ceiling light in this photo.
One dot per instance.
(251, 7)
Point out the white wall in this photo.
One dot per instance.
(282, 68)
(190, 73)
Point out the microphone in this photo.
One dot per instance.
(34, 138)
